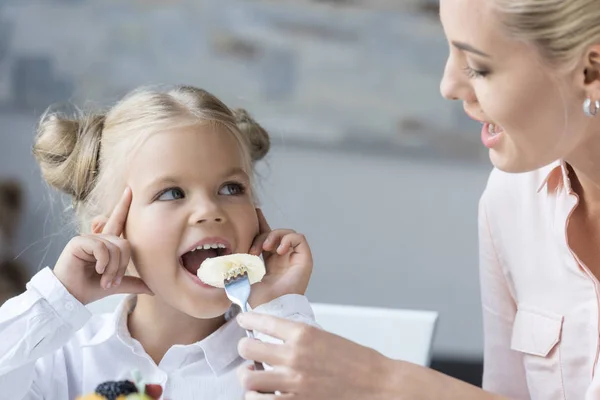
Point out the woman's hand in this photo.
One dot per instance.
(310, 364)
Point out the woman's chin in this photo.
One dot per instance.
(514, 162)
(506, 164)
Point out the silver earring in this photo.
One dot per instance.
(591, 108)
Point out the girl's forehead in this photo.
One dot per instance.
(186, 149)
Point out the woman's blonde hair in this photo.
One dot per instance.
(84, 156)
(561, 29)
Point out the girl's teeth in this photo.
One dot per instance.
(210, 246)
(493, 129)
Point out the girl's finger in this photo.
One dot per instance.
(125, 257)
(90, 250)
(131, 285)
(294, 241)
(263, 225)
(116, 222)
(111, 270)
(274, 238)
(257, 246)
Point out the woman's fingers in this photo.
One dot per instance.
(266, 381)
(268, 353)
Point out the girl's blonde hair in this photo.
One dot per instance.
(561, 29)
(84, 157)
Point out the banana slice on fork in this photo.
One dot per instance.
(214, 271)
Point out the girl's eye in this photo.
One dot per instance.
(475, 73)
(171, 194)
(232, 189)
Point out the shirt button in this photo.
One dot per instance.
(69, 306)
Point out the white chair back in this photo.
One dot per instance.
(397, 334)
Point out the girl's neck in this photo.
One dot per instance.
(158, 326)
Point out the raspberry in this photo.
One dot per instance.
(111, 390)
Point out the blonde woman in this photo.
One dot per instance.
(529, 70)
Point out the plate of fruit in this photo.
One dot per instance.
(125, 390)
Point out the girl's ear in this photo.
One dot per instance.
(98, 224)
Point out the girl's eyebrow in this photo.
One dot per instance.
(169, 180)
(161, 181)
(236, 171)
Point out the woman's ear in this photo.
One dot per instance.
(592, 72)
(98, 224)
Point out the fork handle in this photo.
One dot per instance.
(258, 366)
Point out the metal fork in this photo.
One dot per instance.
(237, 287)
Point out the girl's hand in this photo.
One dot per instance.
(288, 261)
(92, 267)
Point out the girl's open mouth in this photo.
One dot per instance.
(192, 259)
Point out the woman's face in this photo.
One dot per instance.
(531, 113)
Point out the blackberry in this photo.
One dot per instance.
(111, 390)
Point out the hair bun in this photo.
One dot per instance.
(258, 137)
(67, 151)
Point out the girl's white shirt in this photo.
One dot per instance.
(53, 348)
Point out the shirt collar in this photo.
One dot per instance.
(219, 348)
(555, 177)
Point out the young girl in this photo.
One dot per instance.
(159, 183)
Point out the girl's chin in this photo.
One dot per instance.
(201, 304)
(216, 312)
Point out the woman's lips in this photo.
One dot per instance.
(491, 135)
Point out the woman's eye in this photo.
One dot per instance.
(171, 194)
(476, 73)
(232, 189)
